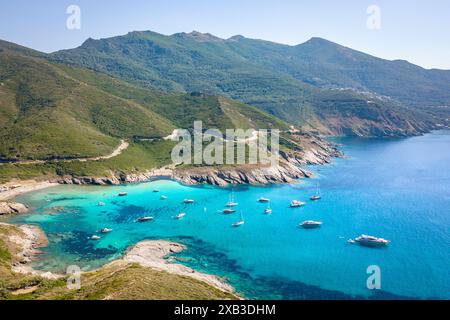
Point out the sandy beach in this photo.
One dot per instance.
(14, 189)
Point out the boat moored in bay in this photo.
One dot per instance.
(296, 204)
(310, 224)
(371, 241)
(144, 219)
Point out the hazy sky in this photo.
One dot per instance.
(417, 31)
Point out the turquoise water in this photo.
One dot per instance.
(397, 189)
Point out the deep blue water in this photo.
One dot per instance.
(398, 189)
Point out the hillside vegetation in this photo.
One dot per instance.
(52, 111)
(305, 85)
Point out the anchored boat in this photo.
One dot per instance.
(144, 219)
(228, 211)
(317, 196)
(310, 224)
(240, 222)
(231, 202)
(296, 204)
(180, 216)
(371, 241)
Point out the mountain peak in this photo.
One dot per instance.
(319, 41)
(199, 36)
(237, 37)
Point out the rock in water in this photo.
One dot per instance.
(12, 208)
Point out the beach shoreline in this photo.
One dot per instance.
(18, 188)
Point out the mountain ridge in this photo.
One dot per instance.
(293, 83)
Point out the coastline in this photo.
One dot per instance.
(28, 243)
(17, 188)
(153, 254)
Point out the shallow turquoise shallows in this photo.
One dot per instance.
(398, 189)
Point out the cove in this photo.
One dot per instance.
(398, 189)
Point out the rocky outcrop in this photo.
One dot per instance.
(307, 150)
(245, 174)
(7, 208)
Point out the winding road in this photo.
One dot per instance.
(122, 147)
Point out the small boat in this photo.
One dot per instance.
(240, 222)
(94, 237)
(163, 197)
(106, 230)
(188, 201)
(101, 204)
(122, 194)
(309, 224)
(144, 219)
(180, 216)
(296, 204)
(268, 210)
(155, 190)
(371, 241)
(317, 196)
(231, 202)
(263, 200)
(228, 211)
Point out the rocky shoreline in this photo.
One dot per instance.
(290, 167)
(28, 241)
(153, 254)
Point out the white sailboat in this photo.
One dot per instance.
(231, 202)
(240, 222)
(317, 196)
(180, 216)
(268, 210)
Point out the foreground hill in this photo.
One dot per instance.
(115, 281)
(318, 84)
(51, 111)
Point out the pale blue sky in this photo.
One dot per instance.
(417, 31)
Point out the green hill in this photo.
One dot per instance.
(299, 84)
(51, 111)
